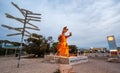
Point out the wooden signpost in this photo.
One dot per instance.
(28, 16)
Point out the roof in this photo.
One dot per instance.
(10, 47)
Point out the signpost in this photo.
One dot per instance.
(28, 16)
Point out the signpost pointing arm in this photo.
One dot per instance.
(28, 16)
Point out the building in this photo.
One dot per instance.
(7, 49)
(95, 50)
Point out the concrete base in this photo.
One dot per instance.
(66, 60)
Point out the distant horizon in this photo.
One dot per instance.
(76, 45)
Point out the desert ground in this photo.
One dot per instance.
(37, 65)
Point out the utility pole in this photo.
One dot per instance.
(28, 16)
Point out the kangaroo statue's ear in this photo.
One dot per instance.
(65, 27)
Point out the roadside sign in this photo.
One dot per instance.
(112, 45)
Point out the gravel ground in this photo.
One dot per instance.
(36, 65)
(97, 66)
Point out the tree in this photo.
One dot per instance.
(37, 45)
(73, 49)
(16, 43)
(54, 47)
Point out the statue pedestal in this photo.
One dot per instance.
(67, 60)
(73, 60)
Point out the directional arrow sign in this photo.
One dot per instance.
(14, 34)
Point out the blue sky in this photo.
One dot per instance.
(90, 21)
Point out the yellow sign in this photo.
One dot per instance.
(110, 38)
